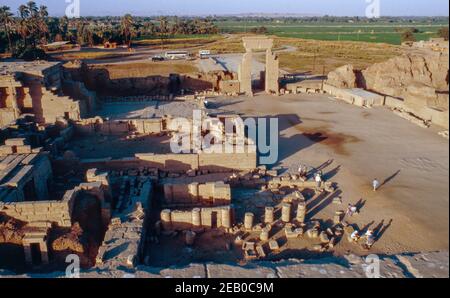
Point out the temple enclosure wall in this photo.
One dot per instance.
(215, 162)
(177, 163)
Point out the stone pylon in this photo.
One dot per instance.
(245, 74)
(272, 72)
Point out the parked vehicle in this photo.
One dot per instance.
(157, 58)
(204, 54)
(177, 55)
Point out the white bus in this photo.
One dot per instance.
(175, 55)
(203, 54)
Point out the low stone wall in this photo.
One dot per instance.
(42, 213)
(197, 194)
(214, 162)
(213, 217)
(366, 99)
(394, 102)
(119, 127)
(277, 183)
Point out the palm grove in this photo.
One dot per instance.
(22, 33)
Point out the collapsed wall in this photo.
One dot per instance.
(101, 80)
(117, 127)
(38, 88)
(416, 82)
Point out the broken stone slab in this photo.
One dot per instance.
(324, 237)
(131, 261)
(260, 251)
(318, 248)
(290, 234)
(250, 254)
(312, 233)
(332, 242)
(238, 240)
(248, 245)
(273, 245)
(337, 200)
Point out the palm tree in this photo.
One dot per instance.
(42, 26)
(6, 20)
(63, 27)
(127, 30)
(163, 25)
(29, 22)
(163, 29)
(32, 8)
(23, 27)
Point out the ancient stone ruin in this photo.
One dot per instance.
(271, 73)
(414, 85)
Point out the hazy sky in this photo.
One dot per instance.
(201, 7)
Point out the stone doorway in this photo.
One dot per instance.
(35, 247)
(36, 258)
(269, 78)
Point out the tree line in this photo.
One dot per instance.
(31, 27)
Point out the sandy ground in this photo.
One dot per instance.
(354, 146)
(231, 62)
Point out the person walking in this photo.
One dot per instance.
(351, 209)
(318, 179)
(375, 184)
(370, 239)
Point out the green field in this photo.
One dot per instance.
(379, 32)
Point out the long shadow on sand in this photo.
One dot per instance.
(290, 145)
(389, 179)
